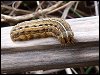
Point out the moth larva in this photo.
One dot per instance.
(42, 28)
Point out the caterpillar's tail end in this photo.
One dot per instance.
(68, 41)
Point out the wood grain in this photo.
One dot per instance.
(85, 29)
(82, 54)
(48, 53)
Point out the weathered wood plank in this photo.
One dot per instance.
(84, 55)
(29, 55)
(85, 29)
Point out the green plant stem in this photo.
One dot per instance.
(76, 13)
(88, 70)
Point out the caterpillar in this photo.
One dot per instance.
(43, 28)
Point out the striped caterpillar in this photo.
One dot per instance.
(43, 28)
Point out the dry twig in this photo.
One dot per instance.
(63, 6)
(16, 10)
(29, 16)
(15, 19)
(16, 6)
(39, 6)
(65, 13)
(96, 8)
(76, 5)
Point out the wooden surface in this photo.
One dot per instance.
(48, 53)
(85, 29)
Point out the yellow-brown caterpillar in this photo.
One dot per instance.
(42, 28)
